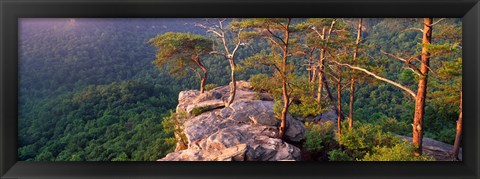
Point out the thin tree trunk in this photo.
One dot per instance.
(339, 106)
(330, 96)
(284, 109)
(458, 135)
(204, 78)
(422, 88)
(233, 83)
(321, 67)
(230, 56)
(352, 83)
(329, 93)
(286, 98)
(311, 71)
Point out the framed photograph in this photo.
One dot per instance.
(239, 89)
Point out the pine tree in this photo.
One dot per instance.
(180, 52)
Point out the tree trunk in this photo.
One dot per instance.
(286, 98)
(233, 83)
(284, 109)
(422, 88)
(311, 71)
(204, 78)
(352, 83)
(458, 135)
(321, 68)
(329, 94)
(339, 106)
(320, 72)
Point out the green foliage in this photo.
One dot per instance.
(304, 104)
(100, 123)
(446, 134)
(368, 142)
(363, 138)
(199, 110)
(264, 83)
(210, 86)
(402, 151)
(173, 125)
(121, 157)
(307, 106)
(339, 155)
(319, 137)
(392, 125)
(180, 51)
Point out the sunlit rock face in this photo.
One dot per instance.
(245, 131)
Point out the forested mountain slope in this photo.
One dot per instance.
(90, 92)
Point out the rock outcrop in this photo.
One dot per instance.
(245, 131)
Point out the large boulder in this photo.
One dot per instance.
(245, 131)
(295, 130)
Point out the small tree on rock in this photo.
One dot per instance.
(181, 52)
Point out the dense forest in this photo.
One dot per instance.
(104, 89)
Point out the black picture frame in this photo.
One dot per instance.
(11, 10)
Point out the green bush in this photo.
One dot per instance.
(392, 125)
(402, 151)
(363, 137)
(307, 106)
(172, 124)
(264, 83)
(209, 87)
(446, 135)
(199, 110)
(338, 155)
(319, 137)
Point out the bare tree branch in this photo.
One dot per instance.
(275, 42)
(217, 53)
(333, 75)
(331, 28)
(215, 32)
(346, 85)
(316, 31)
(377, 77)
(408, 62)
(413, 28)
(239, 42)
(430, 69)
(194, 70)
(437, 22)
(276, 36)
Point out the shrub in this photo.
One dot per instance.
(264, 83)
(389, 124)
(307, 106)
(319, 137)
(209, 87)
(446, 135)
(199, 110)
(362, 139)
(402, 151)
(173, 124)
(338, 155)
